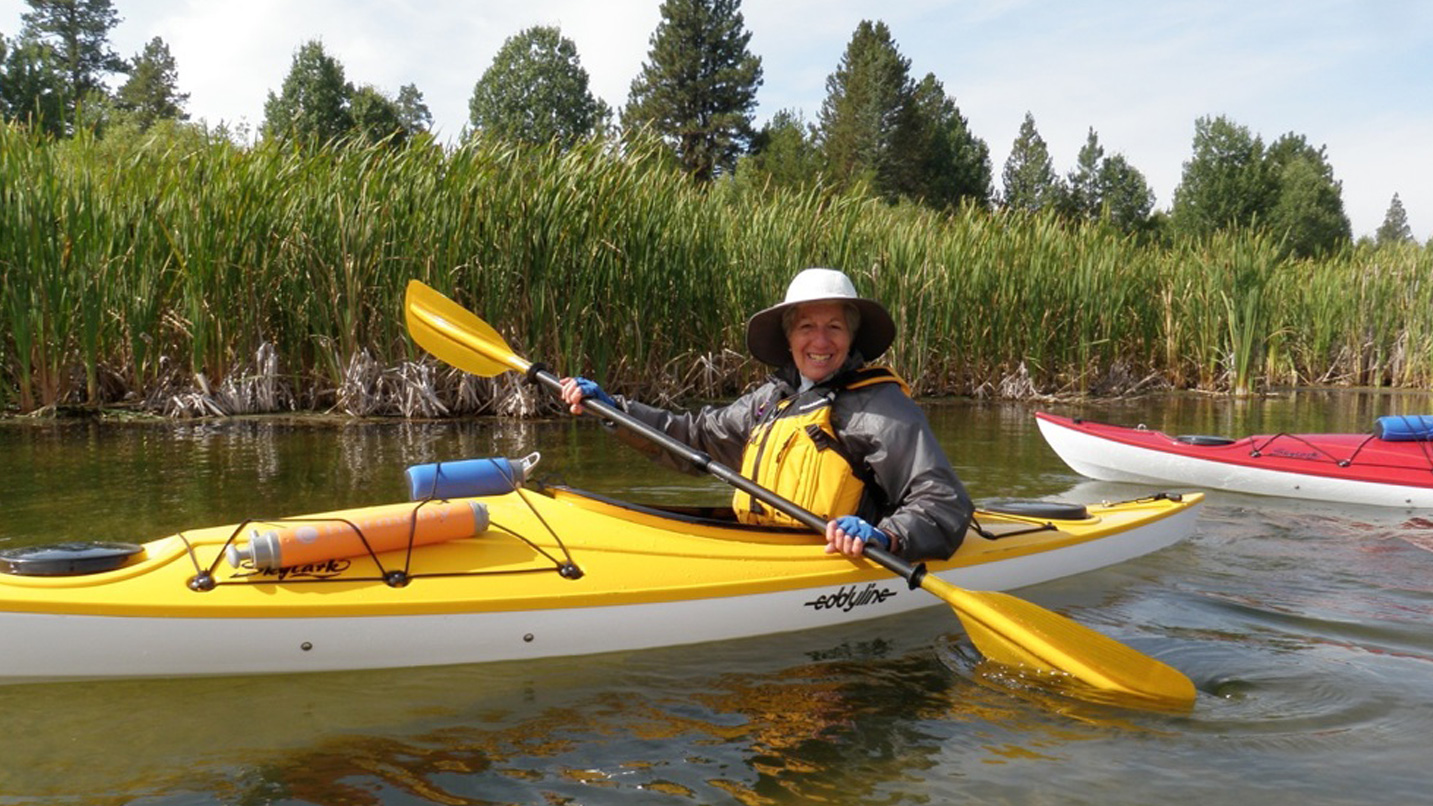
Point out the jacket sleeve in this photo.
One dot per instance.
(927, 507)
(718, 431)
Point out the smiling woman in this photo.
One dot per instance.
(837, 437)
(819, 335)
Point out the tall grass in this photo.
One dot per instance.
(156, 265)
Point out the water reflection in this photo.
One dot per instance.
(1304, 626)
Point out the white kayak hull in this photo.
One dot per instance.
(1098, 457)
(75, 646)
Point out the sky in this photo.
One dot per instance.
(1354, 76)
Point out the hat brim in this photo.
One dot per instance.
(767, 342)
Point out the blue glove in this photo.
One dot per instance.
(855, 527)
(592, 390)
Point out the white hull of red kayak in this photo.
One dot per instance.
(1111, 460)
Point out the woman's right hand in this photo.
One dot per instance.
(575, 390)
(572, 395)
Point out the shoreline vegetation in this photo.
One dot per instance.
(194, 277)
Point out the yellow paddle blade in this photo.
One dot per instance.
(456, 335)
(1018, 633)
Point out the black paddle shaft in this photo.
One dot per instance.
(912, 574)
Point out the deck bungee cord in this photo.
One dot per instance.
(263, 560)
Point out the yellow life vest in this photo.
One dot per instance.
(795, 453)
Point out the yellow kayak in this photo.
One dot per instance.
(536, 572)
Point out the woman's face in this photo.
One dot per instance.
(819, 339)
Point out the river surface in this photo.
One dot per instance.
(1305, 626)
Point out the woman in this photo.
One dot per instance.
(839, 437)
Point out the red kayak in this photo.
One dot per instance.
(1347, 468)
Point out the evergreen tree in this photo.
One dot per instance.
(953, 165)
(78, 32)
(32, 88)
(312, 107)
(867, 126)
(1125, 197)
(413, 113)
(536, 91)
(152, 91)
(784, 154)
(1029, 176)
(1106, 188)
(1083, 198)
(1227, 183)
(697, 89)
(1395, 227)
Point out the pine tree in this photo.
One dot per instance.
(953, 165)
(78, 31)
(867, 124)
(1125, 197)
(1395, 227)
(1030, 181)
(784, 154)
(32, 88)
(413, 113)
(152, 91)
(697, 89)
(1083, 198)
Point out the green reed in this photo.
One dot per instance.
(146, 264)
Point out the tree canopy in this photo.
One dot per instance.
(1226, 183)
(868, 115)
(903, 139)
(1287, 188)
(1029, 176)
(1106, 188)
(152, 91)
(1126, 200)
(953, 165)
(697, 89)
(413, 113)
(312, 106)
(1395, 227)
(536, 91)
(784, 153)
(1307, 211)
(32, 88)
(77, 34)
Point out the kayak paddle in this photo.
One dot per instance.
(1004, 628)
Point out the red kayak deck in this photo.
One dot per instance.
(1123, 453)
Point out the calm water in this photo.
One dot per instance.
(1305, 626)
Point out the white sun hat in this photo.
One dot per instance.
(767, 341)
